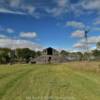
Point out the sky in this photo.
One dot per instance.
(38, 24)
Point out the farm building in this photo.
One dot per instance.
(49, 55)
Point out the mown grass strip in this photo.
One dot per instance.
(13, 82)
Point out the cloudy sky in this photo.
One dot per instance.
(37, 24)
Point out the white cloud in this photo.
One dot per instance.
(3, 36)
(78, 33)
(91, 40)
(55, 11)
(91, 4)
(9, 30)
(97, 21)
(29, 9)
(62, 3)
(79, 45)
(96, 29)
(15, 3)
(18, 43)
(57, 8)
(4, 10)
(75, 24)
(6, 30)
(19, 7)
(28, 34)
(61, 7)
(85, 7)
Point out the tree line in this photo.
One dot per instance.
(87, 55)
(25, 55)
(18, 55)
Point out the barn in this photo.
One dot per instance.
(49, 55)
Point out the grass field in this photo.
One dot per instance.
(71, 81)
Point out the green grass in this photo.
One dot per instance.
(48, 82)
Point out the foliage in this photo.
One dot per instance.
(98, 45)
(22, 55)
(64, 53)
(25, 54)
(4, 55)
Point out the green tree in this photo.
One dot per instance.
(24, 55)
(64, 53)
(4, 55)
(38, 53)
(98, 45)
(96, 53)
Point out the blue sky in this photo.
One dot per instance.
(37, 24)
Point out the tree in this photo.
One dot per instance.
(79, 56)
(98, 45)
(64, 53)
(96, 53)
(4, 55)
(38, 53)
(12, 56)
(24, 55)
